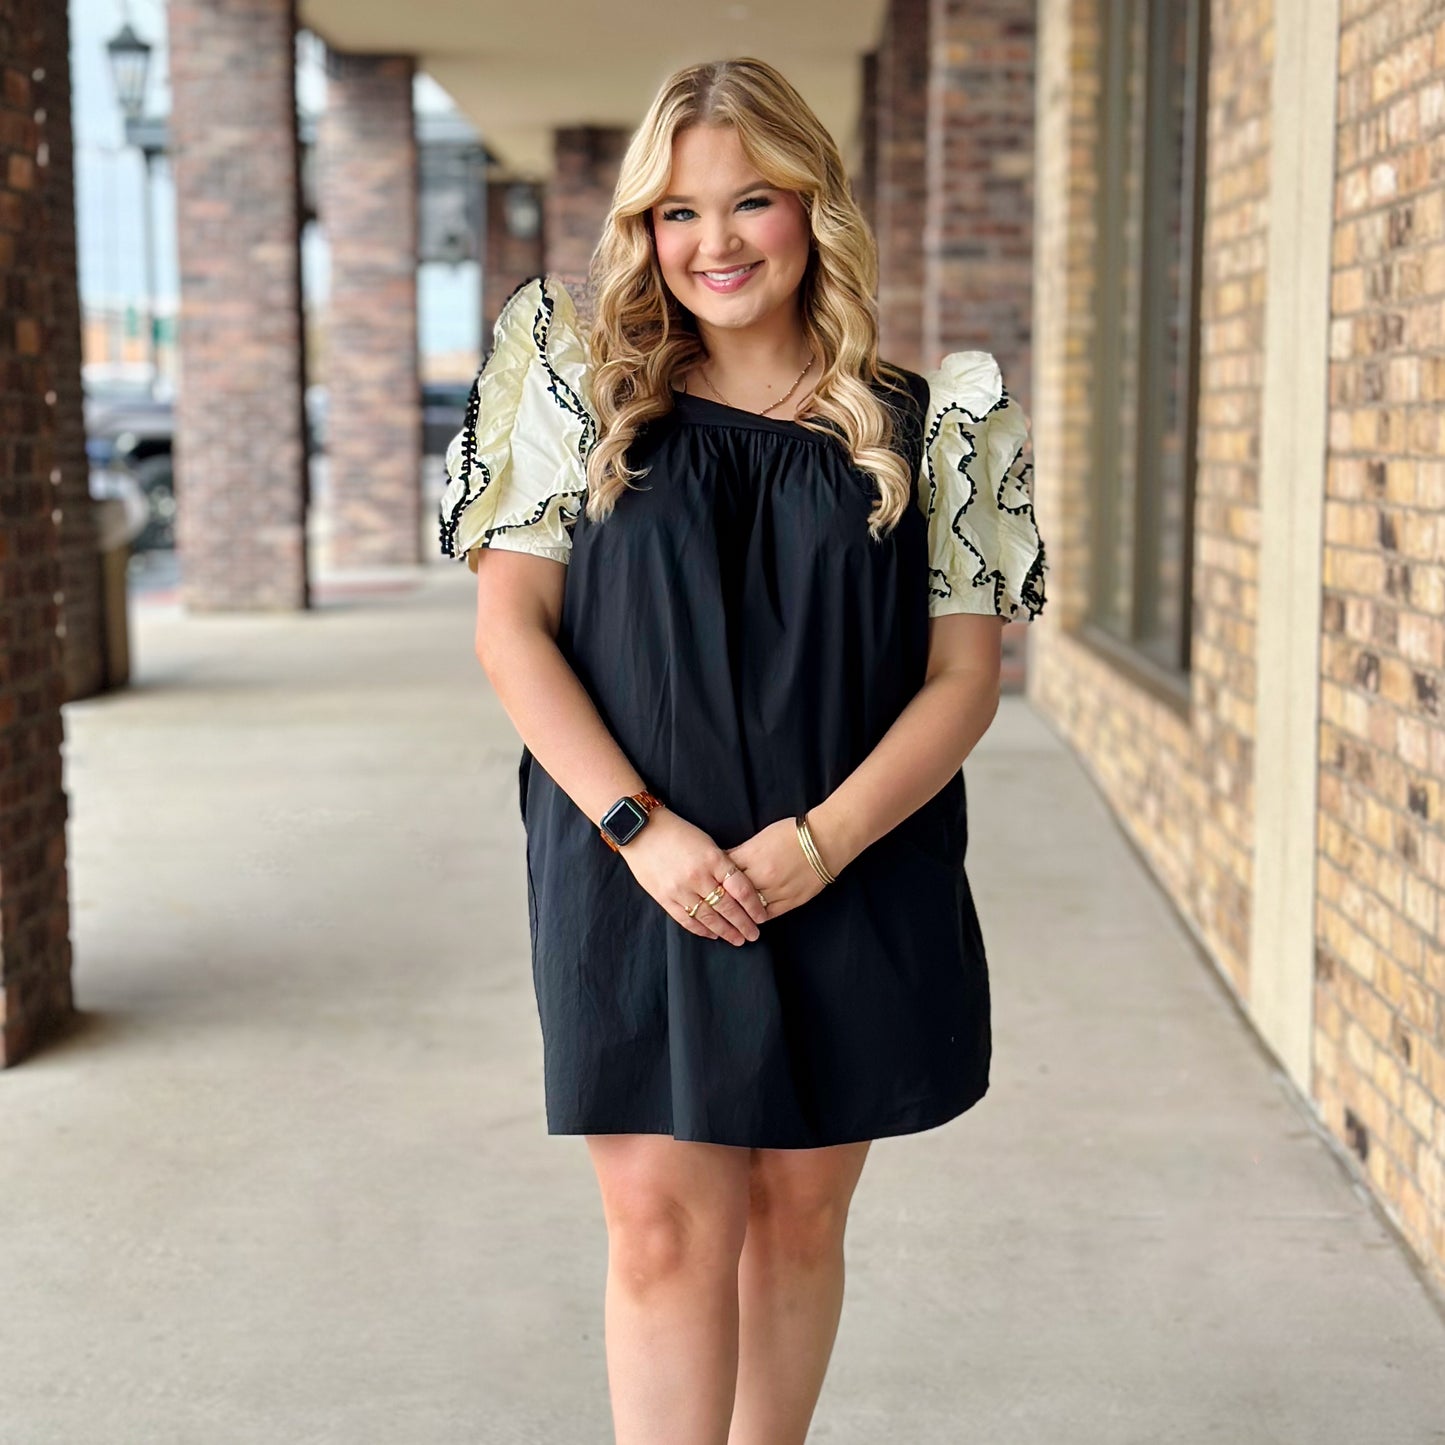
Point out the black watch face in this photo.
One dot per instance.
(623, 819)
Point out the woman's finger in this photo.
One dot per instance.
(679, 912)
(720, 923)
(706, 922)
(712, 915)
(747, 894)
(737, 915)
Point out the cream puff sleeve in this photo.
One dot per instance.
(985, 551)
(517, 470)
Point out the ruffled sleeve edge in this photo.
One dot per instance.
(536, 319)
(994, 556)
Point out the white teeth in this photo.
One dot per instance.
(728, 275)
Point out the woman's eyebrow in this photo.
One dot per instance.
(756, 186)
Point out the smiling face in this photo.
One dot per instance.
(732, 249)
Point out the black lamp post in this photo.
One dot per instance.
(130, 61)
(523, 211)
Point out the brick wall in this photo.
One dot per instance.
(367, 179)
(1232, 305)
(902, 143)
(241, 486)
(1065, 243)
(587, 161)
(510, 259)
(978, 231)
(83, 648)
(1379, 1046)
(1178, 778)
(35, 991)
(1181, 779)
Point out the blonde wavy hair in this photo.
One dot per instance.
(640, 336)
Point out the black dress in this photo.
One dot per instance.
(747, 643)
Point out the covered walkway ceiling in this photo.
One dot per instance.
(521, 70)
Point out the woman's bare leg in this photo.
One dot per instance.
(790, 1287)
(676, 1216)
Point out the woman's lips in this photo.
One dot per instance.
(736, 283)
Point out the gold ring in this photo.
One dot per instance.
(713, 897)
(763, 900)
(730, 873)
(692, 912)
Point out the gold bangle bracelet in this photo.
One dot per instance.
(810, 849)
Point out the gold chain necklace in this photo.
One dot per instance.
(806, 369)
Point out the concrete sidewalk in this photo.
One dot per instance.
(289, 1181)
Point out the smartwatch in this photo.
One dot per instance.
(624, 819)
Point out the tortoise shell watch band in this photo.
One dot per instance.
(624, 819)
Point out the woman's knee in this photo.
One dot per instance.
(799, 1213)
(666, 1221)
(803, 1230)
(654, 1237)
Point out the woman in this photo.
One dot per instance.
(786, 567)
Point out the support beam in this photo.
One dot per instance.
(241, 475)
(588, 158)
(35, 961)
(367, 173)
(865, 183)
(903, 66)
(1293, 441)
(515, 247)
(83, 639)
(978, 291)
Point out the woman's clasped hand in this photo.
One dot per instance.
(678, 863)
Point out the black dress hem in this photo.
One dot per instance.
(917, 1120)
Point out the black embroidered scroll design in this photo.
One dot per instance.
(1012, 496)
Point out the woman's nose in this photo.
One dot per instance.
(718, 240)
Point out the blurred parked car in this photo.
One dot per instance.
(129, 441)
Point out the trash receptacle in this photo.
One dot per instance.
(114, 527)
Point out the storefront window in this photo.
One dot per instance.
(1152, 105)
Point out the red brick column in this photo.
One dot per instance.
(903, 61)
(509, 259)
(83, 647)
(587, 160)
(35, 992)
(241, 486)
(367, 174)
(979, 234)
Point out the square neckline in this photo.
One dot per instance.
(704, 409)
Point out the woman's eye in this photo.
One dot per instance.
(680, 211)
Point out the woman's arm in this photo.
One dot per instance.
(926, 745)
(519, 609)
